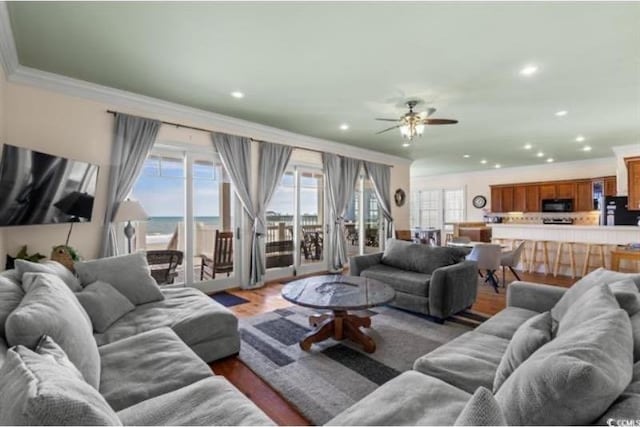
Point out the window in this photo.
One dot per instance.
(437, 208)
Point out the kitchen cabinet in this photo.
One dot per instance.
(610, 186)
(566, 190)
(533, 199)
(507, 199)
(496, 199)
(633, 174)
(547, 191)
(584, 196)
(520, 198)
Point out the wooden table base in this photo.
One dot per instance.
(339, 325)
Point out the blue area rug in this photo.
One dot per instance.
(227, 299)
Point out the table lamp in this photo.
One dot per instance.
(77, 205)
(130, 210)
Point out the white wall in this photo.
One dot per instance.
(477, 183)
(81, 129)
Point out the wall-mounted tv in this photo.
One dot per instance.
(38, 188)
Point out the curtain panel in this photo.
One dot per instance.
(380, 176)
(341, 175)
(133, 140)
(235, 154)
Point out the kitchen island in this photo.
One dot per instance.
(581, 238)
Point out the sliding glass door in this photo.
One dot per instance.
(363, 220)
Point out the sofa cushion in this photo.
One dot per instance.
(505, 323)
(627, 295)
(51, 267)
(596, 301)
(104, 304)
(45, 388)
(530, 336)
(191, 314)
(411, 398)
(4, 348)
(147, 365)
(597, 277)
(129, 274)
(50, 308)
(635, 329)
(574, 378)
(467, 362)
(481, 410)
(416, 257)
(627, 405)
(11, 294)
(405, 281)
(211, 401)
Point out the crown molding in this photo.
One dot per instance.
(164, 110)
(8, 53)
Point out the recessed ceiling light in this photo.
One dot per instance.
(539, 154)
(498, 166)
(483, 161)
(466, 156)
(561, 113)
(579, 138)
(344, 126)
(528, 146)
(550, 160)
(529, 70)
(237, 94)
(586, 148)
(406, 144)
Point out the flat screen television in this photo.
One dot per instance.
(38, 188)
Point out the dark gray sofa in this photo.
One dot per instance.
(436, 281)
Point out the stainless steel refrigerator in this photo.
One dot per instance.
(615, 212)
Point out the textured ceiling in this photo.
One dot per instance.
(309, 67)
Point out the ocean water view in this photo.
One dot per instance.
(167, 224)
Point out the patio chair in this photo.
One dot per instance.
(222, 260)
(164, 264)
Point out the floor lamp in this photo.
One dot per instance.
(130, 210)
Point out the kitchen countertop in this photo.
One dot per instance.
(572, 227)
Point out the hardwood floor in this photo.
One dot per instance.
(268, 299)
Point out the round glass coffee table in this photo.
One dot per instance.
(339, 294)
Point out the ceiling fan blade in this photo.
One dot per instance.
(388, 120)
(387, 129)
(439, 122)
(430, 111)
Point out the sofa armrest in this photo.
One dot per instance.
(453, 288)
(359, 263)
(533, 296)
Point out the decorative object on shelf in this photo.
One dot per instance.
(412, 124)
(399, 197)
(78, 206)
(479, 202)
(65, 255)
(22, 254)
(130, 210)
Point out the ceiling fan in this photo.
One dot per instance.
(412, 124)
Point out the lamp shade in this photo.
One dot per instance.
(76, 204)
(130, 210)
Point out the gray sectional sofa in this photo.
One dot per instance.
(436, 281)
(552, 357)
(148, 367)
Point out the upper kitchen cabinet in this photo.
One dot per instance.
(610, 186)
(566, 190)
(548, 191)
(520, 198)
(633, 173)
(584, 196)
(533, 199)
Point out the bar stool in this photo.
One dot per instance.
(587, 256)
(572, 258)
(534, 258)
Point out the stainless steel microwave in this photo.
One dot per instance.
(557, 205)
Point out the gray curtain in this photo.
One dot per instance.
(235, 154)
(273, 162)
(133, 139)
(341, 175)
(380, 176)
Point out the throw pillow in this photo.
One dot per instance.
(50, 308)
(529, 337)
(635, 329)
(597, 277)
(626, 407)
(51, 267)
(576, 376)
(627, 295)
(104, 304)
(42, 388)
(594, 302)
(11, 294)
(129, 274)
(481, 410)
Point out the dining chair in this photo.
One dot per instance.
(488, 258)
(222, 260)
(510, 260)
